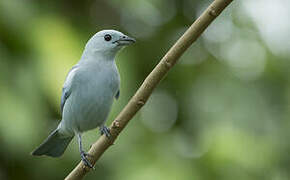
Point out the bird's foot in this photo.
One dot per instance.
(84, 156)
(106, 131)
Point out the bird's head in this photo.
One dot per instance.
(108, 42)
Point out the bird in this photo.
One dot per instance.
(87, 94)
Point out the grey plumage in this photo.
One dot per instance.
(88, 93)
(65, 91)
(53, 146)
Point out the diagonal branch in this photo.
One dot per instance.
(149, 84)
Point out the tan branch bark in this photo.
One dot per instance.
(143, 93)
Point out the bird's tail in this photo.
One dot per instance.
(54, 145)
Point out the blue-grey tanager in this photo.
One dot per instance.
(88, 93)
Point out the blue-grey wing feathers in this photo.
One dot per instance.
(64, 97)
(66, 90)
(117, 94)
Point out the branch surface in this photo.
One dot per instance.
(149, 84)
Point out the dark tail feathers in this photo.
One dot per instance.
(53, 146)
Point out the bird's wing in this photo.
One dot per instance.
(117, 94)
(66, 90)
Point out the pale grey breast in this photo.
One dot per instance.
(92, 98)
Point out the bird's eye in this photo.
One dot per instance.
(107, 37)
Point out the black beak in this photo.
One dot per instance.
(125, 40)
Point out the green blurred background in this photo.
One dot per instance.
(221, 113)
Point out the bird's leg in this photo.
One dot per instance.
(105, 130)
(83, 153)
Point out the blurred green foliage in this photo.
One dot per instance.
(221, 113)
